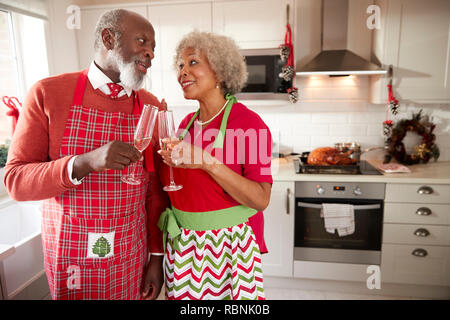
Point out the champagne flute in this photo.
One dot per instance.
(167, 140)
(142, 138)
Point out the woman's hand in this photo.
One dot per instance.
(188, 156)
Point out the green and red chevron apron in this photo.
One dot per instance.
(210, 254)
(94, 236)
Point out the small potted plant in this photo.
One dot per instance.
(4, 153)
(3, 156)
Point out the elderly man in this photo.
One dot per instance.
(73, 142)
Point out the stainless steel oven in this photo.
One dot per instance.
(314, 243)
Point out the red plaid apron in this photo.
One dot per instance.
(94, 236)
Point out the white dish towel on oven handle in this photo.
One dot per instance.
(338, 216)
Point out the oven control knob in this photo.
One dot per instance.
(320, 190)
(357, 191)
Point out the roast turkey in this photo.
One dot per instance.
(326, 156)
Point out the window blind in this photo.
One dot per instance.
(34, 8)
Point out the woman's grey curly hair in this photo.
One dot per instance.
(223, 56)
(109, 20)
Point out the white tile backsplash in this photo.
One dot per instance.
(312, 129)
(348, 130)
(329, 117)
(334, 110)
(375, 129)
(366, 117)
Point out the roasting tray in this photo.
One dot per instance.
(331, 169)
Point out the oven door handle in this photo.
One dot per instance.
(355, 207)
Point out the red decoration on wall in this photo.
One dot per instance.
(14, 106)
(287, 51)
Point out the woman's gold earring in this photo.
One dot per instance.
(217, 86)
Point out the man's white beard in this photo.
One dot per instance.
(129, 76)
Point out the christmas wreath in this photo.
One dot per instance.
(424, 151)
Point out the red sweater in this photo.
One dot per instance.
(35, 170)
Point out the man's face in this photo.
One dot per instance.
(134, 50)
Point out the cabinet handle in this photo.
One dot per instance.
(423, 211)
(422, 232)
(425, 190)
(420, 253)
(288, 201)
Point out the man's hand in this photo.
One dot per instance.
(115, 155)
(163, 104)
(153, 278)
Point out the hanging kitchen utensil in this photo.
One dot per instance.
(14, 106)
(287, 54)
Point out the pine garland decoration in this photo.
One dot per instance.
(423, 152)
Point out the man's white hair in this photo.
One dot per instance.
(109, 20)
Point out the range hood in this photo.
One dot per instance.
(336, 59)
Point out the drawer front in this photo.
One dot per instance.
(418, 193)
(416, 234)
(399, 265)
(417, 213)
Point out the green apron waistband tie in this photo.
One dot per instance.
(167, 223)
(172, 219)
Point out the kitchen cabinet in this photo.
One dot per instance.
(86, 34)
(253, 24)
(279, 231)
(172, 22)
(415, 39)
(416, 234)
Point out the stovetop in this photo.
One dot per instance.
(363, 167)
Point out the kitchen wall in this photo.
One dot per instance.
(337, 110)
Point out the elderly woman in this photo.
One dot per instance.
(214, 229)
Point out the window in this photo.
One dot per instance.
(8, 73)
(23, 60)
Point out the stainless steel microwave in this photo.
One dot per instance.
(264, 81)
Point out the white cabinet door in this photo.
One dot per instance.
(279, 231)
(415, 39)
(253, 23)
(418, 193)
(85, 35)
(171, 23)
(403, 264)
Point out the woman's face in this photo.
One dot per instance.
(195, 75)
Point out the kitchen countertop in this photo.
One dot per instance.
(430, 173)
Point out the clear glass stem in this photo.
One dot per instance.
(172, 182)
(133, 170)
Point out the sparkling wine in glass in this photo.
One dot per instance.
(142, 138)
(167, 140)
